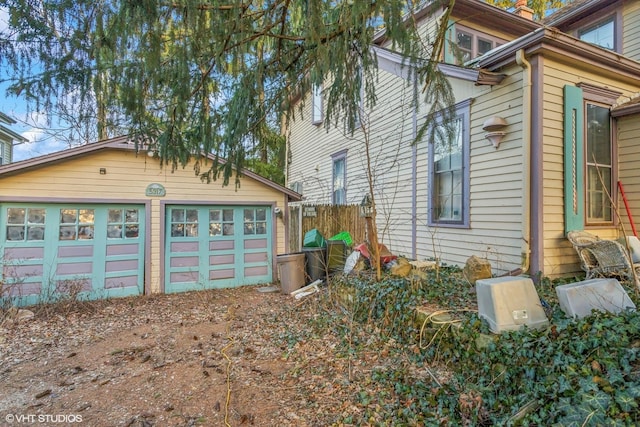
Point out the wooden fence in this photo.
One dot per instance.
(328, 219)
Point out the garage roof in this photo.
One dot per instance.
(118, 143)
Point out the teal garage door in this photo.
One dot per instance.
(87, 251)
(217, 247)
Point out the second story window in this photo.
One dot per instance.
(470, 44)
(602, 33)
(316, 105)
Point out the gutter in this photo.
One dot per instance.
(526, 161)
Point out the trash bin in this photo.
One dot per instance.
(313, 239)
(291, 271)
(336, 255)
(316, 263)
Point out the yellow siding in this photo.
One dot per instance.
(126, 179)
(559, 257)
(629, 172)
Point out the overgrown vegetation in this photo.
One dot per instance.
(574, 373)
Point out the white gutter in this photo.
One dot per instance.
(526, 160)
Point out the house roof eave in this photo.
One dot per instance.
(12, 135)
(402, 68)
(6, 119)
(575, 11)
(555, 43)
(490, 14)
(628, 108)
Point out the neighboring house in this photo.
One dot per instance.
(559, 101)
(108, 220)
(8, 139)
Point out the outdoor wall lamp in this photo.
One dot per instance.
(103, 171)
(494, 127)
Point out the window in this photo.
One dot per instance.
(601, 34)
(25, 224)
(599, 167)
(339, 191)
(471, 44)
(122, 223)
(589, 156)
(2, 161)
(184, 222)
(316, 105)
(76, 224)
(221, 222)
(255, 221)
(449, 169)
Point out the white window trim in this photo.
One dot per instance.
(602, 97)
(340, 155)
(317, 105)
(475, 34)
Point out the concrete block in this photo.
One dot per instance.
(510, 303)
(579, 299)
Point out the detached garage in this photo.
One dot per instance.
(103, 220)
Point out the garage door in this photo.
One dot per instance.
(217, 247)
(89, 251)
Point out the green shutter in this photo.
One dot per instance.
(573, 159)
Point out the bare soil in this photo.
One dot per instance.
(215, 358)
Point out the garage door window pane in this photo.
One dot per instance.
(221, 222)
(255, 221)
(184, 222)
(123, 223)
(76, 224)
(16, 216)
(25, 224)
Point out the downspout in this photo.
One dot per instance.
(526, 160)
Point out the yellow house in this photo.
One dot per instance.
(105, 220)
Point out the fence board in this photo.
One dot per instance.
(329, 220)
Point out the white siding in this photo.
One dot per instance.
(495, 185)
(496, 175)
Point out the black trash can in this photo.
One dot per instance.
(315, 263)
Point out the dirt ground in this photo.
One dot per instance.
(213, 358)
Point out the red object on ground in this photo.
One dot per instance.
(385, 255)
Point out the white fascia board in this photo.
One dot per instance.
(396, 64)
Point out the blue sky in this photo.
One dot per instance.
(29, 125)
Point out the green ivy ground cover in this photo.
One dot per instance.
(573, 373)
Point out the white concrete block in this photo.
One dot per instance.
(510, 303)
(579, 299)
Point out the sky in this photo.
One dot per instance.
(29, 125)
